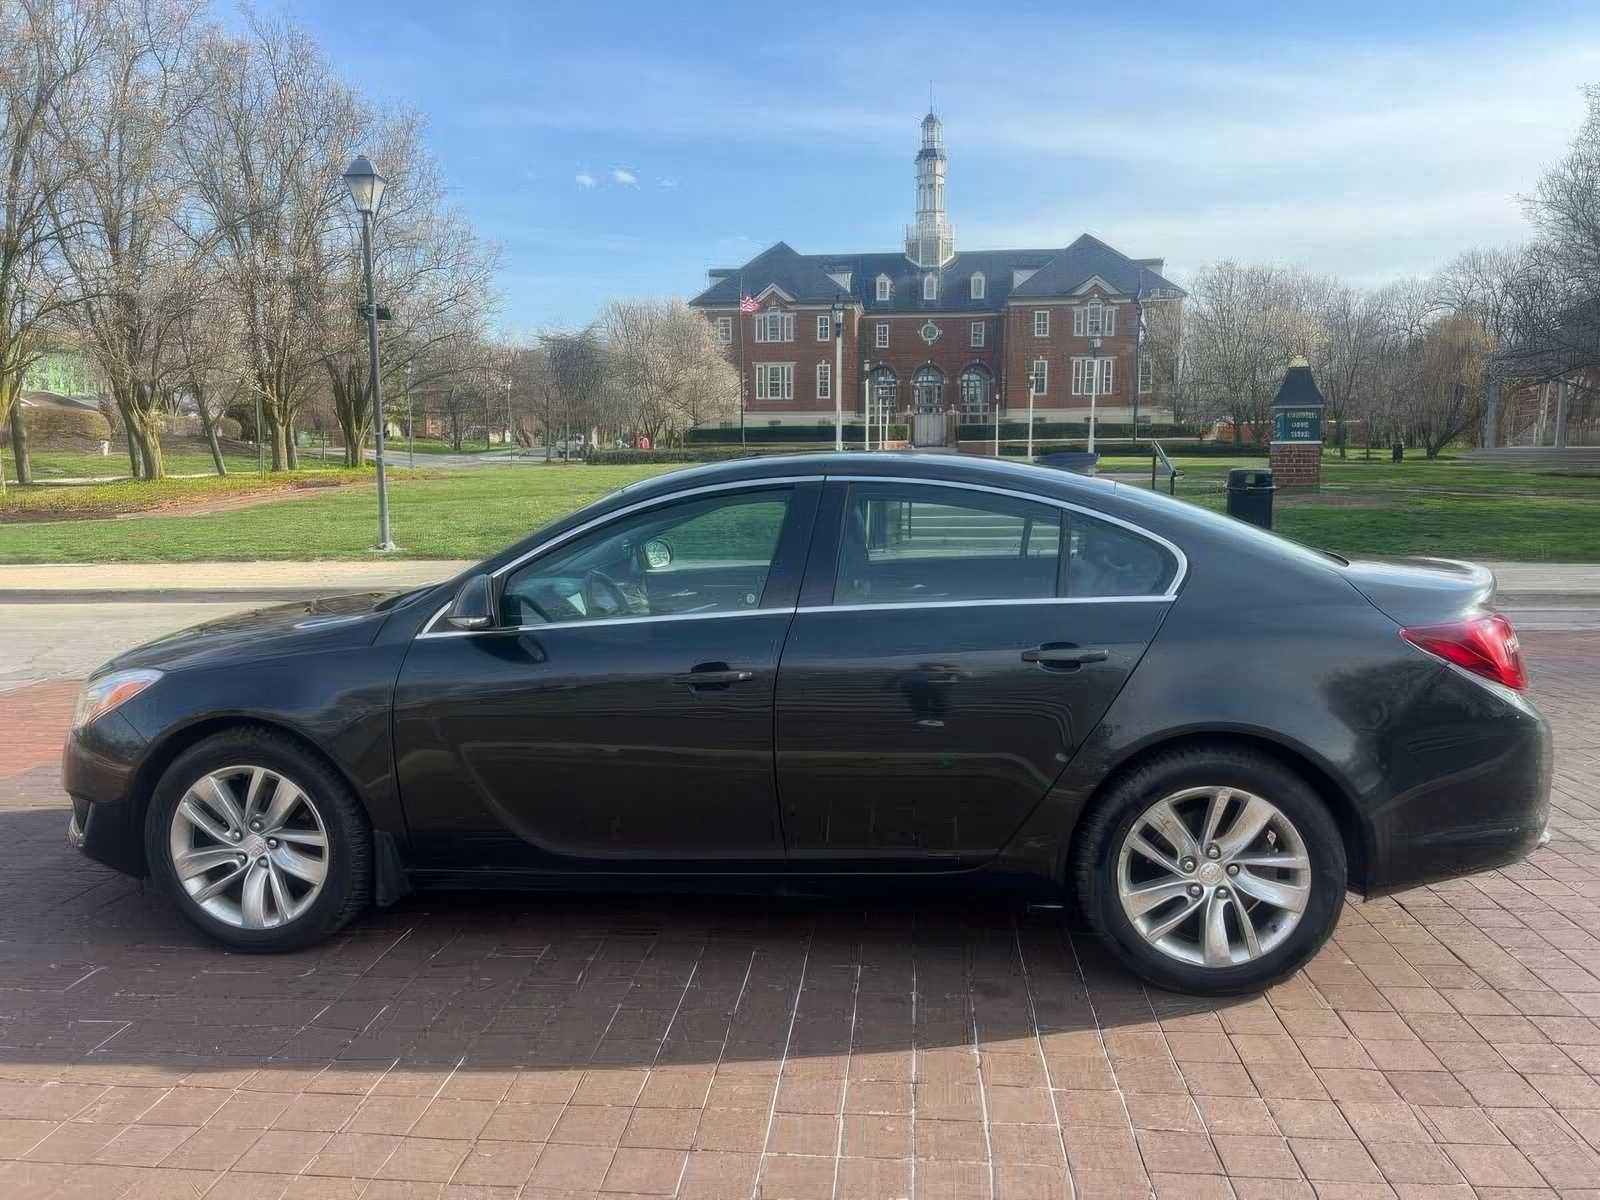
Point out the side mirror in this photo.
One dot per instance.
(473, 607)
(657, 554)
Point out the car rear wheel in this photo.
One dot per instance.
(258, 842)
(1211, 870)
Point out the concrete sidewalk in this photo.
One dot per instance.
(1519, 583)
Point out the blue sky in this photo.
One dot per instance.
(618, 150)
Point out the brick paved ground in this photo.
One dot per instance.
(1445, 1045)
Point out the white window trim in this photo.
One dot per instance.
(1147, 375)
(885, 288)
(785, 376)
(1040, 373)
(976, 337)
(930, 286)
(980, 286)
(1044, 331)
(824, 327)
(724, 331)
(1108, 321)
(784, 321)
(880, 336)
(1103, 379)
(1079, 321)
(824, 381)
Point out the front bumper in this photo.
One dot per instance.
(1471, 794)
(99, 768)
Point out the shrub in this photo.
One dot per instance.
(697, 454)
(756, 434)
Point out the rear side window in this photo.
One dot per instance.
(911, 544)
(1106, 560)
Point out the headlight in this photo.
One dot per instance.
(105, 692)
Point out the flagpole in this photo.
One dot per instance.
(738, 317)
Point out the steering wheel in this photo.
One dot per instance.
(603, 595)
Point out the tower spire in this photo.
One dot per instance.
(930, 242)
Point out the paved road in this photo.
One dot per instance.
(1444, 1046)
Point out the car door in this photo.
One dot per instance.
(612, 721)
(953, 647)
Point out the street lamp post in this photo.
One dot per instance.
(411, 423)
(1094, 385)
(366, 189)
(838, 373)
(866, 403)
(1033, 385)
(997, 422)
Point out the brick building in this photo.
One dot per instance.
(930, 330)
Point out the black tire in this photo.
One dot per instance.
(1100, 836)
(347, 888)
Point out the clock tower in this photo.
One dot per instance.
(931, 242)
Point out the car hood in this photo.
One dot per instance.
(333, 622)
(1416, 591)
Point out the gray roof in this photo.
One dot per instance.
(1059, 272)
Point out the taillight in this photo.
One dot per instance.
(1485, 645)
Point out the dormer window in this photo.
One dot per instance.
(930, 286)
(979, 286)
(885, 288)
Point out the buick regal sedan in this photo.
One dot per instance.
(801, 672)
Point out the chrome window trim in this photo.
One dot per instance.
(790, 480)
(595, 622)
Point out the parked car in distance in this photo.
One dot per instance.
(819, 670)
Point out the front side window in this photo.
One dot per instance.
(1094, 320)
(824, 327)
(930, 287)
(979, 284)
(706, 555)
(884, 287)
(1041, 322)
(1106, 560)
(824, 381)
(1147, 375)
(977, 334)
(724, 330)
(881, 335)
(909, 544)
(1039, 377)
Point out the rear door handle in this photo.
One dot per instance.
(1066, 657)
(712, 676)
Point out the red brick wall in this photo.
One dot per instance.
(1022, 347)
(951, 352)
(805, 352)
(1296, 464)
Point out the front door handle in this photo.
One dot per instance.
(1066, 658)
(713, 677)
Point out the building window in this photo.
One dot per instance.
(774, 381)
(977, 333)
(930, 286)
(885, 288)
(881, 335)
(1091, 376)
(824, 381)
(1098, 320)
(724, 330)
(1110, 320)
(979, 286)
(1078, 314)
(884, 386)
(775, 327)
(1039, 377)
(1147, 374)
(824, 327)
(975, 386)
(1041, 322)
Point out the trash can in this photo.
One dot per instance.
(1250, 496)
(1397, 453)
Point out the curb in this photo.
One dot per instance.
(263, 595)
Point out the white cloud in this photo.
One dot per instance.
(586, 180)
(668, 183)
(624, 176)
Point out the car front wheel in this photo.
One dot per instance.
(1211, 870)
(258, 842)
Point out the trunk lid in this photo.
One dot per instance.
(1418, 591)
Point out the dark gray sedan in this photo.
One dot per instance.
(814, 671)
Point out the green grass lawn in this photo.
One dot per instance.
(179, 456)
(1444, 507)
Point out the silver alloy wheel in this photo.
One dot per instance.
(249, 846)
(1213, 876)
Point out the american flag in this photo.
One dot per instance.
(747, 304)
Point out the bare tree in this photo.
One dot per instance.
(46, 49)
(667, 368)
(574, 383)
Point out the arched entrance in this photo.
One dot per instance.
(883, 395)
(977, 389)
(927, 402)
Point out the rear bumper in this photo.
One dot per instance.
(99, 765)
(1475, 794)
